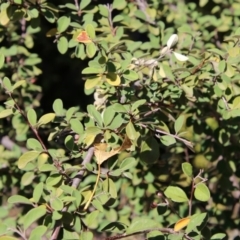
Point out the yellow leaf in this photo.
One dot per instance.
(83, 37)
(101, 154)
(182, 223)
(4, 19)
(45, 119)
(113, 79)
(92, 82)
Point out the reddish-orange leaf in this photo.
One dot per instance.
(83, 37)
(182, 223)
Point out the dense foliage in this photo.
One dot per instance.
(156, 153)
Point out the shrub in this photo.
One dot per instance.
(155, 155)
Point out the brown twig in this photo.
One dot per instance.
(110, 9)
(163, 230)
(9, 144)
(142, 4)
(29, 124)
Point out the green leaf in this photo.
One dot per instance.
(131, 132)
(49, 15)
(218, 236)
(179, 123)
(128, 163)
(2, 60)
(69, 142)
(38, 232)
(33, 215)
(70, 112)
(202, 192)
(118, 18)
(195, 221)
(86, 236)
(176, 194)
(18, 84)
(95, 114)
(141, 224)
(27, 157)
(116, 122)
(19, 199)
(45, 119)
(119, 4)
(8, 238)
(62, 44)
(76, 126)
(92, 70)
(117, 107)
(149, 151)
(137, 104)
(91, 49)
(5, 113)
(37, 192)
(98, 205)
(58, 107)
(63, 23)
(91, 219)
(92, 82)
(54, 179)
(202, 3)
(7, 84)
(32, 116)
(27, 178)
(130, 75)
(90, 31)
(167, 140)
(84, 3)
(108, 115)
(47, 168)
(110, 187)
(34, 144)
(56, 204)
(187, 169)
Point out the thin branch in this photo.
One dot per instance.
(110, 9)
(29, 124)
(163, 230)
(142, 4)
(9, 144)
(188, 143)
(76, 181)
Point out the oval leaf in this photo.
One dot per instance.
(19, 199)
(33, 215)
(176, 194)
(180, 57)
(172, 40)
(63, 23)
(26, 158)
(113, 79)
(47, 118)
(202, 192)
(32, 116)
(182, 223)
(187, 169)
(5, 113)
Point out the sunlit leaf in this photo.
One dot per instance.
(182, 223)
